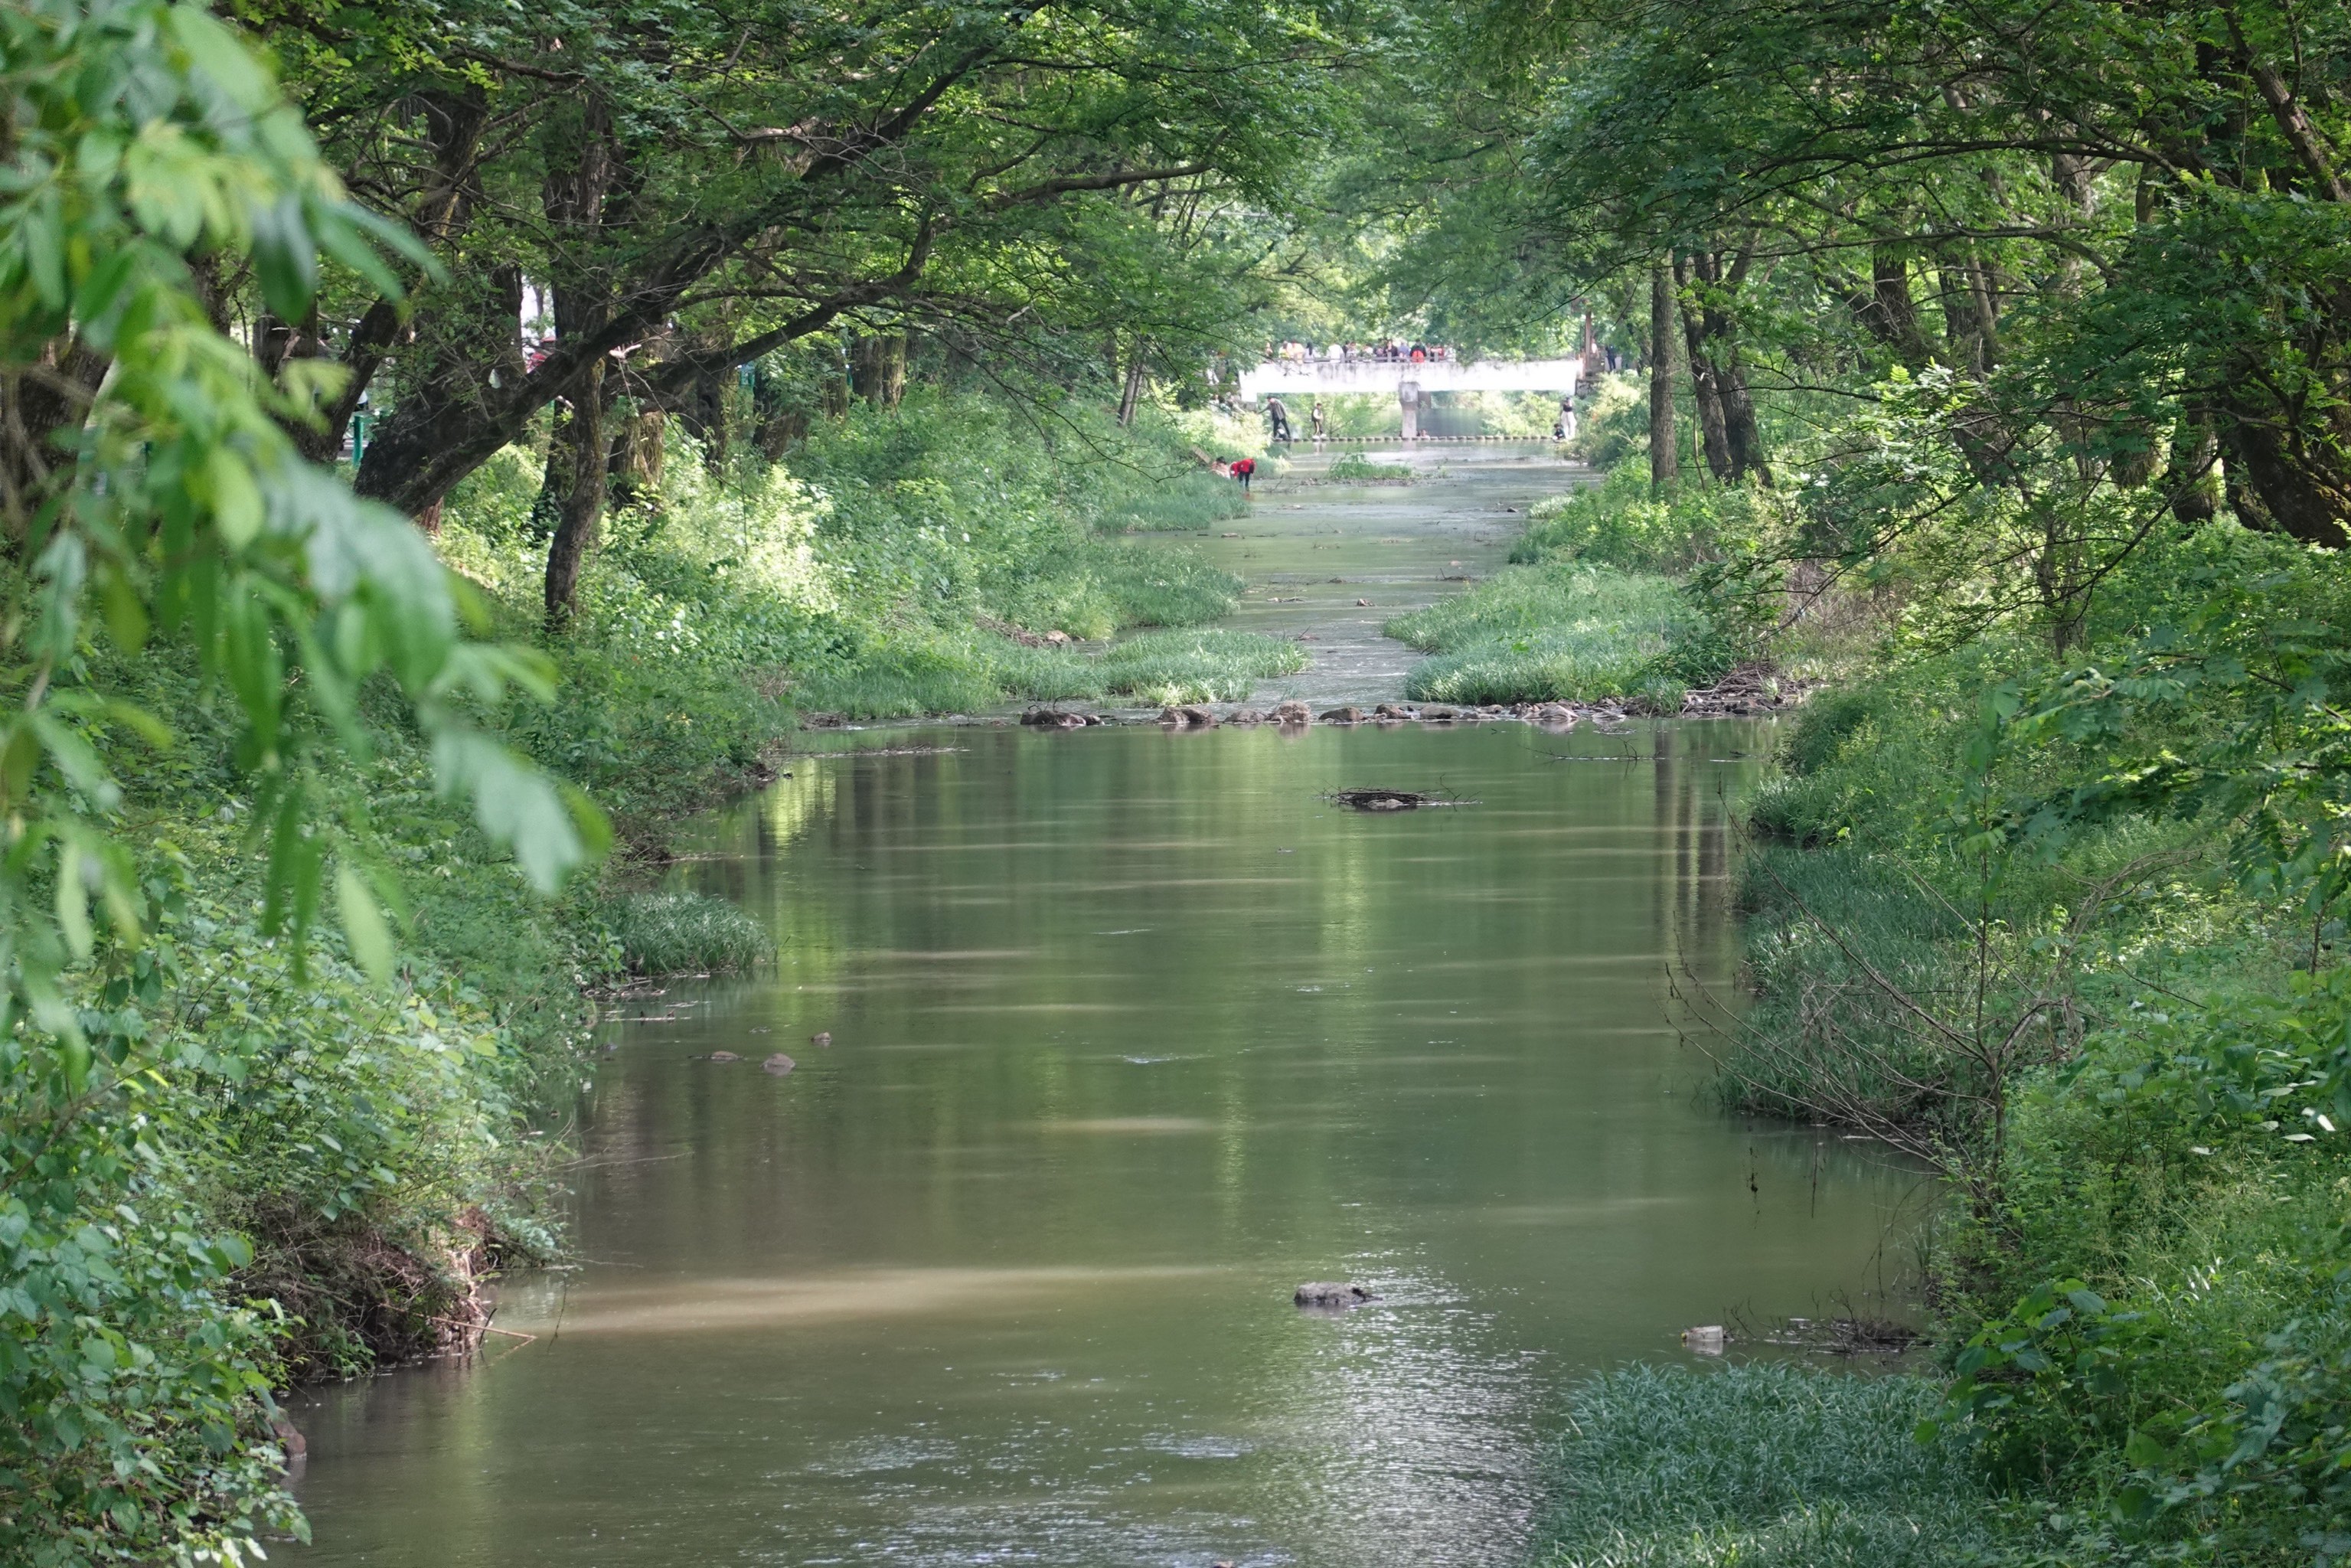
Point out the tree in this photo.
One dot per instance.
(698, 187)
(153, 498)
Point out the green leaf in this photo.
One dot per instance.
(363, 924)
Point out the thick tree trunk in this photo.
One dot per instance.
(2277, 483)
(1665, 460)
(1887, 311)
(1705, 388)
(582, 507)
(2187, 476)
(1740, 433)
(32, 411)
(877, 367)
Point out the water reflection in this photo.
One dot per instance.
(1129, 1036)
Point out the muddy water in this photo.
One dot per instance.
(1132, 1033)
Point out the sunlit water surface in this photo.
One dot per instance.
(1132, 1033)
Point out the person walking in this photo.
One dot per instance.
(1318, 417)
(1279, 414)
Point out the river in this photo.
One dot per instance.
(1131, 1033)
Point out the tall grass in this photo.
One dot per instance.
(1560, 630)
(1760, 1466)
(680, 932)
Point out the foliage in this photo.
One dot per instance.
(154, 499)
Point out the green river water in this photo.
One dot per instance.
(1130, 1034)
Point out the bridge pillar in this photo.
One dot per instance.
(1408, 393)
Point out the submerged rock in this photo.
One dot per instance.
(1333, 1293)
(778, 1064)
(1706, 1341)
(821, 1037)
(722, 1056)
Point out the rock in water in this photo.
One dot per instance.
(1333, 1293)
(723, 1056)
(1294, 712)
(1706, 1341)
(778, 1064)
(1342, 715)
(822, 1037)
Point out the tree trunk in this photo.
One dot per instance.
(582, 507)
(1740, 433)
(1665, 461)
(2276, 483)
(1131, 395)
(32, 411)
(1705, 390)
(2187, 476)
(877, 367)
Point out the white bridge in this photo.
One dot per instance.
(1407, 382)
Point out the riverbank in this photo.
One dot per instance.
(2021, 916)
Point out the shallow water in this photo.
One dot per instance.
(1132, 1033)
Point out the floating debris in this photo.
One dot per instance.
(1382, 799)
(1333, 1293)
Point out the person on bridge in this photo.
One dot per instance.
(1242, 468)
(1318, 418)
(1279, 414)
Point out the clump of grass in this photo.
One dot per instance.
(1201, 664)
(683, 933)
(1189, 501)
(1354, 465)
(1560, 632)
(1764, 1465)
(1165, 587)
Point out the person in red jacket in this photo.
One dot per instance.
(1242, 468)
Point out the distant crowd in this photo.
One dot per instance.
(1395, 349)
